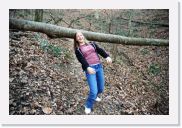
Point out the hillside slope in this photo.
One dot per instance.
(46, 78)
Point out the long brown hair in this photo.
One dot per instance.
(76, 43)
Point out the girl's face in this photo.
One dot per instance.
(80, 37)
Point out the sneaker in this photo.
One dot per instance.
(87, 110)
(98, 99)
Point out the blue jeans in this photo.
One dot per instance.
(96, 84)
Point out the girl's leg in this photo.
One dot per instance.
(100, 79)
(92, 82)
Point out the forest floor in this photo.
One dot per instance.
(46, 78)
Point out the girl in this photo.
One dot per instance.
(87, 55)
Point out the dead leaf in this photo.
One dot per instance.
(47, 110)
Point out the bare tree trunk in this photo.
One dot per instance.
(130, 32)
(12, 13)
(114, 48)
(38, 15)
(114, 52)
(58, 32)
(110, 23)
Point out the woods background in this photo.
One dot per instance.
(46, 78)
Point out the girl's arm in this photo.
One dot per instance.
(101, 51)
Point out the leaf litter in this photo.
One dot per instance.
(137, 83)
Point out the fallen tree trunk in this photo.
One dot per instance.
(58, 32)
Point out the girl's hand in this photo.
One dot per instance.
(109, 60)
(91, 70)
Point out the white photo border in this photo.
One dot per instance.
(171, 119)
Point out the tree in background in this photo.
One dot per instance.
(38, 15)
